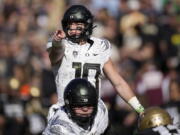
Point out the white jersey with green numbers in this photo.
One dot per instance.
(81, 61)
(61, 124)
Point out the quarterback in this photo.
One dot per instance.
(74, 53)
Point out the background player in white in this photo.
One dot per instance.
(74, 53)
(81, 114)
(157, 121)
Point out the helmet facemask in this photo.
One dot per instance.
(82, 36)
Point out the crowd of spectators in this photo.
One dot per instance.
(145, 35)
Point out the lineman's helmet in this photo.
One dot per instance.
(79, 93)
(153, 117)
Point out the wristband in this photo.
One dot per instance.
(134, 102)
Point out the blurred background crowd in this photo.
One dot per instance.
(145, 35)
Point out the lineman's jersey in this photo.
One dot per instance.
(81, 61)
(173, 108)
(162, 130)
(61, 124)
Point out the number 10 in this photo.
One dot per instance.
(85, 70)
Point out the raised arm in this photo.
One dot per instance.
(121, 86)
(55, 47)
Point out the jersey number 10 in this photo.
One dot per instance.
(83, 71)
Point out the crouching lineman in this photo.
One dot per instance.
(82, 114)
(157, 121)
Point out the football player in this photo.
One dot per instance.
(81, 114)
(74, 53)
(173, 105)
(157, 121)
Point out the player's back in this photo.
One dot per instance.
(161, 130)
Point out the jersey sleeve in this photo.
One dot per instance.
(57, 127)
(59, 124)
(53, 130)
(106, 49)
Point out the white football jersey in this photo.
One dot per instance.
(81, 61)
(60, 124)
